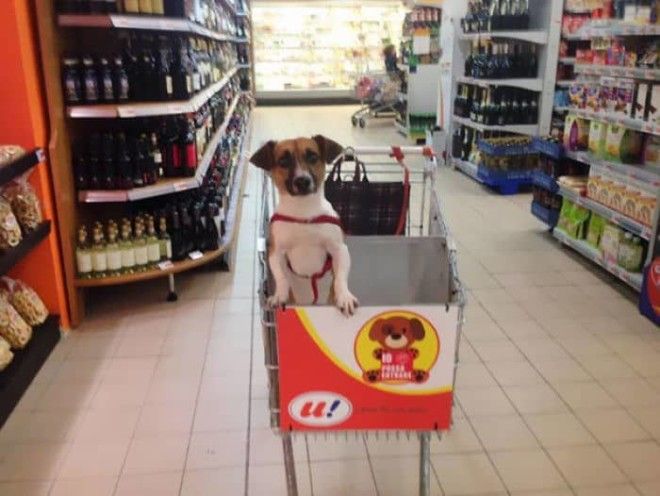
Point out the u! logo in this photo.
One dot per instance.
(320, 408)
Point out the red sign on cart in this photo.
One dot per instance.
(382, 369)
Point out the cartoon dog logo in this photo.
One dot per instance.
(396, 337)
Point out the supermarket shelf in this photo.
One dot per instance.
(305, 94)
(533, 36)
(607, 213)
(643, 173)
(226, 241)
(18, 375)
(468, 168)
(131, 110)
(21, 165)
(610, 70)
(531, 130)
(562, 109)
(30, 240)
(524, 83)
(588, 251)
(646, 127)
(151, 23)
(567, 60)
(564, 83)
(543, 180)
(168, 186)
(243, 66)
(615, 29)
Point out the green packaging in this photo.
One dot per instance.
(595, 230)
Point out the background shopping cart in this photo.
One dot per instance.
(378, 94)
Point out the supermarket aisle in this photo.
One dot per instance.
(558, 389)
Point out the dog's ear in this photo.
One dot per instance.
(264, 157)
(417, 329)
(376, 330)
(330, 150)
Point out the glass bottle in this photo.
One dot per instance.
(164, 75)
(137, 162)
(106, 85)
(156, 156)
(165, 242)
(84, 255)
(188, 148)
(131, 6)
(153, 244)
(71, 81)
(147, 167)
(140, 244)
(126, 247)
(120, 80)
(183, 86)
(94, 161)
(146, 7)
(108, 161)
(113, 252)
(99, 258)
(80, 166)
(124, 165)
(158, 7)
(212, 233)
(90, 81)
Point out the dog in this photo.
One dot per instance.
(396, 335)
(307, 240)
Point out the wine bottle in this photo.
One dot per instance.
(80, 167)
(108, 161)
(124, 164)
(84, 255)
(153, 244)
(165, 242)
(140, 244)
(106, 85)
(93, 161)
(99, 258)
(156, 156)
(121, 84)
(137, 161)
(113, 252)
(126, 247)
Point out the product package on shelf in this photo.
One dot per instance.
(13, 327)
(6, 356)
(25, 300)
(495, 15)
(24, 203)
(9, 154)
(10, 230)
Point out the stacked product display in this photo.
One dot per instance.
(311, 51)
(157, 119)
(416, 112)
(500, 72)
(27, 332)
(608, 123)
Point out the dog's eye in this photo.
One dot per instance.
(284, 162)
(311, 157)
(388, 330)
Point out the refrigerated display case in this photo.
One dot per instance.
(310, 50)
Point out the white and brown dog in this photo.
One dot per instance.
(306, 237)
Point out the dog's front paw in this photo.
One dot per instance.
(279, 299)
(346, 302)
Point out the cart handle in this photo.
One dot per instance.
(393, 151)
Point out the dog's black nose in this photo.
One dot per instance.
(395, 337)
(303, 183)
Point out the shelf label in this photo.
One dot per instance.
(182, 186)
(195, 255)
(165, 265)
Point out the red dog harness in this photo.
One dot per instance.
(327, 266)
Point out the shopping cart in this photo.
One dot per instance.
(329, 374)
(378, 94)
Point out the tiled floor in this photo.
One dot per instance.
(558, 389)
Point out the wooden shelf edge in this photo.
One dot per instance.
(21, 165)
(30, 240)
(186, 265)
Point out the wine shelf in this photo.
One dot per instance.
(567, 60)
(610, 70)
(30, 240)
(165, 186)
(634, 280)
(21, 165)
(646, 127)
(18, 375)
(607, 213)
(149, 109)
(226, 242)
(534, 36)
(644, 173)
(524, 83)
(151, 23)
(527, 129)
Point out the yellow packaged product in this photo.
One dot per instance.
(6, 356)
(12, 326)
(630, 199)
(645, 208)
(617, 194)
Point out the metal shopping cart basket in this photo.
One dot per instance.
(390, 369)
(378, 94)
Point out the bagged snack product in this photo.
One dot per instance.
(645, 208)
(25, 300)
(630, 200)
(10, 153)
(576, 95)
(595, 230)
(631, 253)
(618, 192)
(25, 203)
(609, 242)
(10, 231)
(6, 356)
(639, 102)
(12, 326)
(597, 138)
(576, 133)
(624, 97)
(593, 186)
(652, 150)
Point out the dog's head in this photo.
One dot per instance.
(297, 166)
(397, 333)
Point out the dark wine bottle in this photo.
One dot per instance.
(124, 165)
(108, 161)
(94, 161)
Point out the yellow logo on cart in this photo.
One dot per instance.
(397, 347)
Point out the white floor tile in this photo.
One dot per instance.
(587, 466)
(205, 482)
(24, 488)
(501, 433)
(157, 454)
(559, 429)
(536, 398)
(343, 478)
(527, 470)
(161, 484)
(469, 474)
(612, 425)
(639, 460)
(88, 486)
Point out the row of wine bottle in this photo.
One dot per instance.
(498, 106)
(494, 15)
(149, 69)
(138, 153)
(496, 60)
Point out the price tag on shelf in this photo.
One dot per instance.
(182, 186)
(195, 255)
(165, 265)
